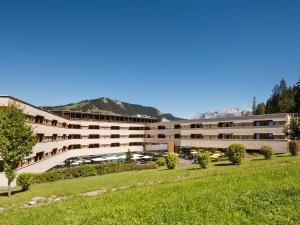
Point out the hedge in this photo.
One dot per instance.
(88, 170)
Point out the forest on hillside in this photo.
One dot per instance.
(284, 99)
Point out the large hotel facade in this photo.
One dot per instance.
(63, 134)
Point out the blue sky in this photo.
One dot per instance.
(182, 57)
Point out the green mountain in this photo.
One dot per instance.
(109, 106)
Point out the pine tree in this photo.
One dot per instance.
(260, 109)
(254, 105)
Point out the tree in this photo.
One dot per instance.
(292, 130)
(260, 109)
(128, 156)
(254, 105)
(297, 97)
(16, 140)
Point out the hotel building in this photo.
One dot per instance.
(64, 134)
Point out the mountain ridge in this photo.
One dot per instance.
(222, 113)
(106, 105)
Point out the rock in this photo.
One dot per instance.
(94, 193)
(123, 187)
(38, 199)
(32, 203)
(114, 189)
(57, 199)
(2, 210)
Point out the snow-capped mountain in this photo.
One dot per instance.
(222, 113)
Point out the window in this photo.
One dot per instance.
(259, 136)
(177, 126)
(196, 136)
(115, 145)
(115, 136)
(161, 136)
(199, 125)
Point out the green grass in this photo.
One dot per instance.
(257, 192)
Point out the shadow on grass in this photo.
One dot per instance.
(224, 164)
(5, 193)
(257, 159)
(194, 168)
(282, 156)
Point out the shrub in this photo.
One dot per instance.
(171, 160)
(25, 180)
(266, 151)
(294, 147)
(88, 170)
(151, 165)
(235, 153)
(203, 159)
(161, 161)
(129, 157)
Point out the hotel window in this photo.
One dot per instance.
(177, 126)
(177, 136)
(94, 127)
(40, 137)
(115, 128)
(115, 145)
(161, 136)
(54, 123)
(161, 127)
(94, 136)
(74, 126)
(226, 124)
(94, 145)
(225, 136)
(196, 136)
(259, 136)
(199, 125)
(115, 136)
(74, 136)
(263, 123)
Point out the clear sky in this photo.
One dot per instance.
(182, 57)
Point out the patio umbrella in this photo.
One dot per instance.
(112, 158)
(137, 155)
(75, 163)
(87, 161)
(99, 159)
(147, 157)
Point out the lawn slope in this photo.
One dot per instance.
(257, 192)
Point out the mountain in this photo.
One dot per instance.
(109, 106)
(222, 113)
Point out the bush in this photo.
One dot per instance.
(203, 159)
(267, 151)
(235, 153)
(171, 160)
(25, 180)
(294, 147)
(88, 170)
(161, 161)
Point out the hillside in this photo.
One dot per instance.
(116, 107)
(256, 192)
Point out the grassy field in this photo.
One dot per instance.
(257, 192)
